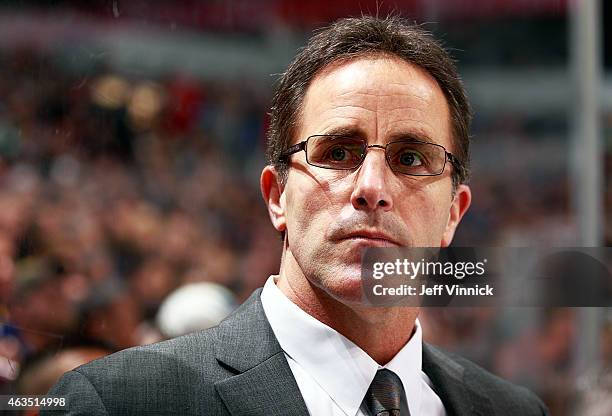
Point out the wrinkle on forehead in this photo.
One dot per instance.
(376, 93)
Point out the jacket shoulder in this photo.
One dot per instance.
(176, 376)
(188, 352)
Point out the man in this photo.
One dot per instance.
(368, 147)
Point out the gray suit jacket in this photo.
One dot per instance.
(238, 368)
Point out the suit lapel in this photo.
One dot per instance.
(264, 383)
(460, 398)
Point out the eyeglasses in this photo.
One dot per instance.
(409, 156)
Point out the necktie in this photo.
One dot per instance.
(384, 396)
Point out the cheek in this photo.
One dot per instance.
(311, 205)
(425, 213)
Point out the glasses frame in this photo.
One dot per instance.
(303, 145)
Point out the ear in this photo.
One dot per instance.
(459, 206)
(272, 192)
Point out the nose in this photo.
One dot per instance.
(371, 190)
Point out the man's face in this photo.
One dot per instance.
(331, 216)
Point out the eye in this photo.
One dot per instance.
(410, 158)
(341, 152)
(335, 152)
(338, 154)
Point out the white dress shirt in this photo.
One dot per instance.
(332, 373)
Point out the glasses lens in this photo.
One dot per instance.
(335, 152)
(415, 158)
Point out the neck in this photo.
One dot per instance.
(380, 332)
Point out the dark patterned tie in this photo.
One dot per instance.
(384, 396)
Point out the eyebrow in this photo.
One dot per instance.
(345, 131)
(415, 134)
(354, 131)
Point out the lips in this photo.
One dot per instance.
(371, 238)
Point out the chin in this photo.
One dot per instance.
(344, 287)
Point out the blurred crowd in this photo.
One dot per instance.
(116, 190)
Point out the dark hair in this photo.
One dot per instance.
(355, 37)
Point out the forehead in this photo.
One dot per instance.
(382, 97)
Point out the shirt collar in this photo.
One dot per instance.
(335, 363)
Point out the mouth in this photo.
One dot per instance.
(370, 239)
